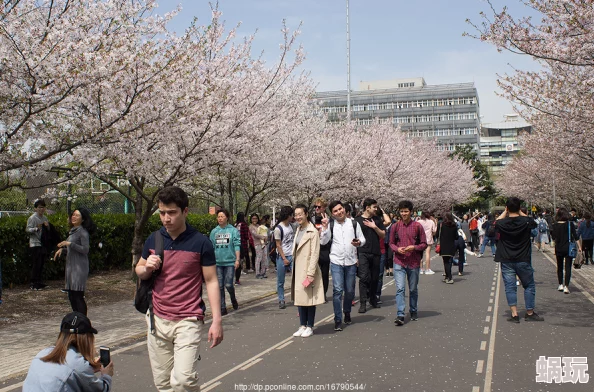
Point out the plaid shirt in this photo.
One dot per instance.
(408, 234)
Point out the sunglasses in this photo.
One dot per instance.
(318, 206)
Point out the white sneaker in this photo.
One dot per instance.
(565, 289)
(422, 272)
(479, 255)
(307, 333)
(560, 288)
(429, 272)
(300, 332)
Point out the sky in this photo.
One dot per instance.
(390, 39)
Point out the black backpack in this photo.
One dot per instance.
(332, 229)
(143, 300)
(491, 230)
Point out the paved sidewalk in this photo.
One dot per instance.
(117, 323)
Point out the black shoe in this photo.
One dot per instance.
(514, 319)
(64, 291)
(281, 305)
(376, 304)
(223, 311)
(378, 300)
(41, 286)
(337, 326)
(414, 316)
(235, 304)
(533, 317)
(362, 308)
(399, 321)
(347, 318)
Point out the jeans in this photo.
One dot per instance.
(369, 267)
(525, 272)
(400, 275)
(343, 280)
(280, 275)
(307, 315)
(461, 255)
(380, 281)
(490, 240)
(225, 277)
(568, 264)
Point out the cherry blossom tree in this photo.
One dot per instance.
(216, 103)
(558, 99)
(73, 73)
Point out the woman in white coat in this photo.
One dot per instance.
(307, 289)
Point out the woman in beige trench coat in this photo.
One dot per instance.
(307, 289)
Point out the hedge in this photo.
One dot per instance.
(114, 232)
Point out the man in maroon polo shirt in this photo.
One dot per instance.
(189, 261)
(407, 240)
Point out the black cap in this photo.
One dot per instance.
(77, 322)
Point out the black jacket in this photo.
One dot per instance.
(514, 243)
(447, 237)
(560, 235)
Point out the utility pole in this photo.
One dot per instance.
(348, 26)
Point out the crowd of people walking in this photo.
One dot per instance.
(334, 239)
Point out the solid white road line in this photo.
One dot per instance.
(206, 386)
(249, 365)
(124, 349)
(12, 387)
(216, 384)
(284, 345)
(491, 354)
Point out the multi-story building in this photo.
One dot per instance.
(448, 112)
(499, 142)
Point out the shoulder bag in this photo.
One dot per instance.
(143, 300)
(572, 250)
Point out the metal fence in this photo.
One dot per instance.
(62, 198)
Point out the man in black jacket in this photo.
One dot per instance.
(514, 252)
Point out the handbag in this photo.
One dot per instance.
(438, 246)
(143, 299)
(572, 251)
(578, 261)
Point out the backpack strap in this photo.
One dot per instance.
(282, 232)
(332, 229)
(159, 251)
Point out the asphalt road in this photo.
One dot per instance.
(461, 342)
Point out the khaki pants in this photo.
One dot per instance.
(174, 352)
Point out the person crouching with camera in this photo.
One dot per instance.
(71, 363)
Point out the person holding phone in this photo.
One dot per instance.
(307, 289)
(70, 365)
(514, 252)
(344, 236)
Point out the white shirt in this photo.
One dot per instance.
(342, 252)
